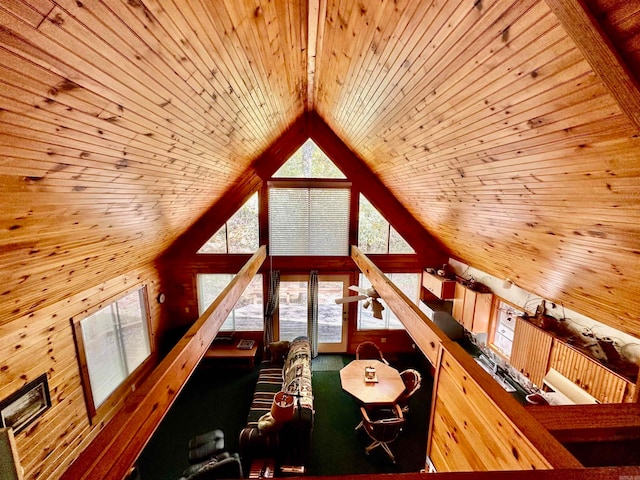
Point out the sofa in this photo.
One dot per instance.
(285, 372)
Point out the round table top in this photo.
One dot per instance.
(385, 391)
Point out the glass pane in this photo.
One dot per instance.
(243, 228)
(209, 287)
(133, 329)
(102, 354)
(365, 315)
(309, 221)
(288, 221)
(408, 283)
(329, 221)
(397, 244)
(373, 229)
(248, 311)
(505, 326)
(309, 162)
(329, 312)
(292, 310)
(217, 243)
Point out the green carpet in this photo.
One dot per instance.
(219, 398)
(339, 450)
(329, 362)
(213, 398)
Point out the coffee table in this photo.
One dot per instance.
(385, 391)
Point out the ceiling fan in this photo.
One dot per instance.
(368, 294)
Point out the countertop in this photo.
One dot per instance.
(475, 352)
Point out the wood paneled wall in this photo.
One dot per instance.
(476, 426)
(43, 343)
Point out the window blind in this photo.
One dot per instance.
(309, 221)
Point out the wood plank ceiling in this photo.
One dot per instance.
(123, 122)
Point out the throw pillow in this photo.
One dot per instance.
(278, 351)
(267, 423)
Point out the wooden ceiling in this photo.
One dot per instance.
(508, 129)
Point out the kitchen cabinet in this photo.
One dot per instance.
(590, 375)
(530, 351)
(535, 351)
(441, 287)
(471, 308)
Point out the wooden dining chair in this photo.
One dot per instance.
(369, 351)
(383, 425)
(412, 381)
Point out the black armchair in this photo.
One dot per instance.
(383, 425)
(223, 465)
(208, 459)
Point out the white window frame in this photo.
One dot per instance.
(97, 408)
(505, 323)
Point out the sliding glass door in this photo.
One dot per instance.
(332, 317)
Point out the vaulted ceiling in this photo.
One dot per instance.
(508, 129)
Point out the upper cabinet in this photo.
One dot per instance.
(472, 308)
(531, 350)
(590, 375)
(441, 287)
(535, 351)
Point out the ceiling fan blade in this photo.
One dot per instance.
(360, 290)
(353, 298)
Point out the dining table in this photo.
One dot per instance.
(383, 388)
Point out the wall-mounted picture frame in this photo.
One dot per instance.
(21, 408)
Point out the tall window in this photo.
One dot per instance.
(239, 234)
(247, 314)
(309, 221)
(376, 235)
(505, 326)
(114, 342)
(408, 283)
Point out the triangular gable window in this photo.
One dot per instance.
(239, 234)
(376, 235)
(309, 162)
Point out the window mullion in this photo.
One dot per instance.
(115, 312)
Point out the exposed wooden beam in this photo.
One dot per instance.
(424, 333)
(117, 446)
(590, 423)
(585, 30)
(313, 30)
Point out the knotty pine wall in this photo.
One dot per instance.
(476, 426)
(43, 342)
